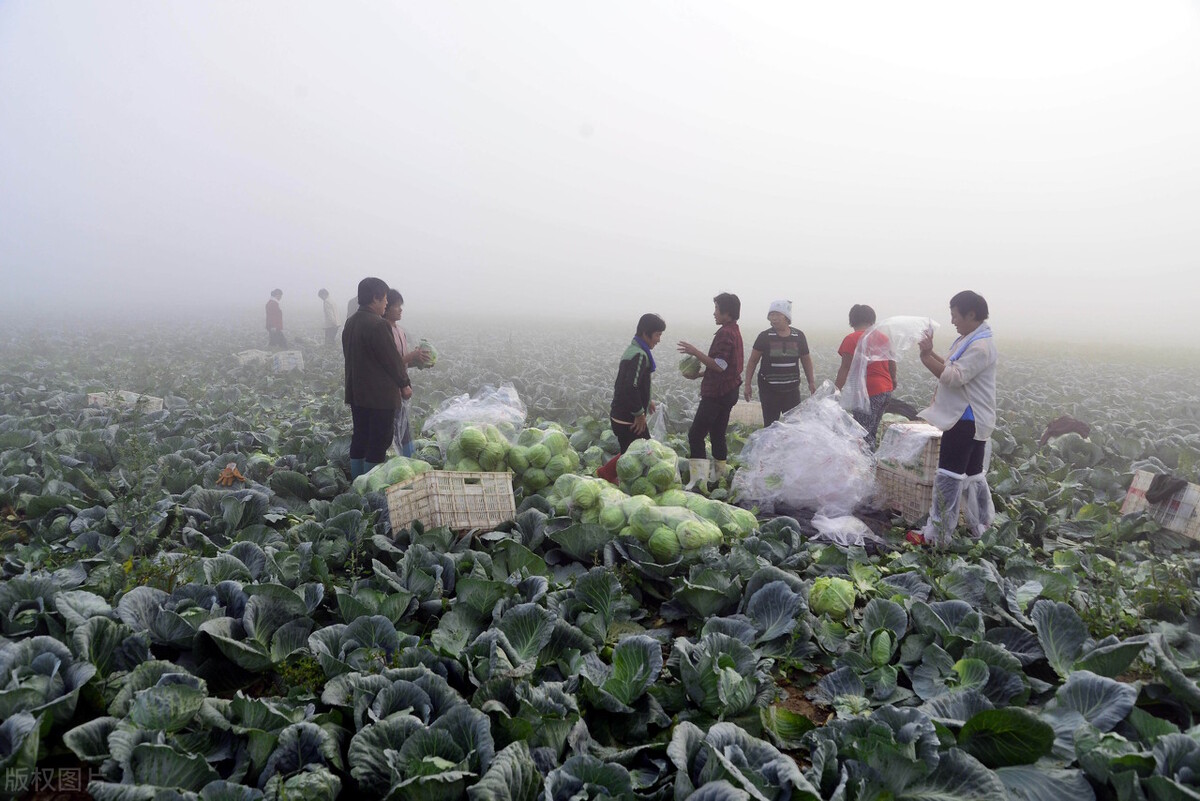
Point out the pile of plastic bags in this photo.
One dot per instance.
(812, 458)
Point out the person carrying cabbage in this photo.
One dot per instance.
(402, 426)
(782, 350)
(719, 384)
(376, 377)
(964, 408)
(631, 403)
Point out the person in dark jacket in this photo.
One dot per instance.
(631, 403)
(719, 382)
(374, 371)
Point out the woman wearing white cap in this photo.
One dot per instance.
(782, 349)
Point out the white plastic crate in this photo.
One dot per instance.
(286, 360)
(455, 499)
(123, 399)
(910, 448)
(250, 357)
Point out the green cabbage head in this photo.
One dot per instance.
(831, 596)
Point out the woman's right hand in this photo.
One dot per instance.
(749, 393)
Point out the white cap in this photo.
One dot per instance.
(784, 307)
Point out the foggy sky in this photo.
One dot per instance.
(594, 161)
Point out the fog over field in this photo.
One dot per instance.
(587, 162)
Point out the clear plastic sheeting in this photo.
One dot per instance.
(845, 531)
(944, 511)
(814, 457)
(500, 406)
(657, 423)
(882, 342)
(905, 444)
(978, 507)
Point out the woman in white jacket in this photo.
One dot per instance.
(964, 408)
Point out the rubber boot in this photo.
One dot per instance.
(944, 511)
(698, 470)
(719, 469)
(608, 470)
(356, 468)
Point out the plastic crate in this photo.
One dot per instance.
(248, 357)
(906, 495)
(746, 413)
(286, 360)
(123, 399)
(457, 500)
(1180, 513)
(906, 437)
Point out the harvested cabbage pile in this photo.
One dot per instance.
(648, 467)
(541, 456)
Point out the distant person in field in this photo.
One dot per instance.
(376, 378)
(881, 374)
(719, 382)
(275, 338)
(402, 425)
(352, 306)
(331, 318)
(964, 408)
(631, 404)
(782, 350)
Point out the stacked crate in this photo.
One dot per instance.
(455, 499)
(906, 487)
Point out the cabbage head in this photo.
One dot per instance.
(689, 367)
(831, 596)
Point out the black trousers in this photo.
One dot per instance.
(712, 420)
(776, 401)
(275, 338)
(331, 335)
(961, 453)
(625, 435)
(372, 433)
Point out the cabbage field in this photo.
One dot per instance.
(163, 635)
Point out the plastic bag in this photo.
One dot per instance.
(884, 341)
(657, 423)
(845, 531)
(814, 457)
(648, 467)
(904, 444)
(500, 406)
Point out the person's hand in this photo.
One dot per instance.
(749, 393)
(812, 388)
(689, 349)
(406, 392)
(639, 424)
(926, 343)
(653, 407)
(229, 475)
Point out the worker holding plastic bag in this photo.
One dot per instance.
(878, 376)
(631, 404)
(866, 378)
(964, 408)
(782, 350)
